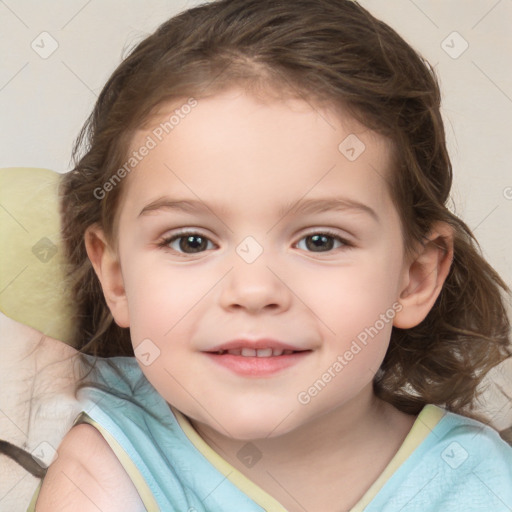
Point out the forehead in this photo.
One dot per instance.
(235, 146)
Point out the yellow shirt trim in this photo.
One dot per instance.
(138, 480)
(248, 487)
(32, 506)
(133, 472)
(428, 418)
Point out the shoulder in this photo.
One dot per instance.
(87, 475)
(474, 433)
(475, 447)
(461, 464)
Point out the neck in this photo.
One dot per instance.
(356, 440)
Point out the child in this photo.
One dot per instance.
(259, 218)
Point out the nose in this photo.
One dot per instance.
(255, 287)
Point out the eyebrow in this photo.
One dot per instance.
(306, 206)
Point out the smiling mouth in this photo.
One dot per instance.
(257, 362)
(259, 352)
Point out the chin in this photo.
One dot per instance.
(253, 432)
(255, 424)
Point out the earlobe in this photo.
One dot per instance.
(425, 276)
(107, 267)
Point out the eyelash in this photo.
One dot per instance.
(164, 243)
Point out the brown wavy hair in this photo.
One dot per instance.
(328, 52)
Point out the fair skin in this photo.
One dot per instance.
(249, 161)
(87, 480)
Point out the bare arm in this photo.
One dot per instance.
(87, 476)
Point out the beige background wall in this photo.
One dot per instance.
(45, 97)
(55, 55)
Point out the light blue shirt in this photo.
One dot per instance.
(461, 465)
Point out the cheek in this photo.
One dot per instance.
(351, 297)
(158, 296)
(356, 306)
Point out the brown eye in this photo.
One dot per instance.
(322, 242)
(188, 243)
(195, 243)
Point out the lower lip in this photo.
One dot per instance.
(257, 366)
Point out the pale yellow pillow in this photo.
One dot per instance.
(32, 289)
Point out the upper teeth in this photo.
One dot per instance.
(256, 352)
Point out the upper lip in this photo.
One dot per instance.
(255, 344)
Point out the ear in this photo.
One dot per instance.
(107, 266)
(424, 276)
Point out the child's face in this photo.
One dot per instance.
(245, 163)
